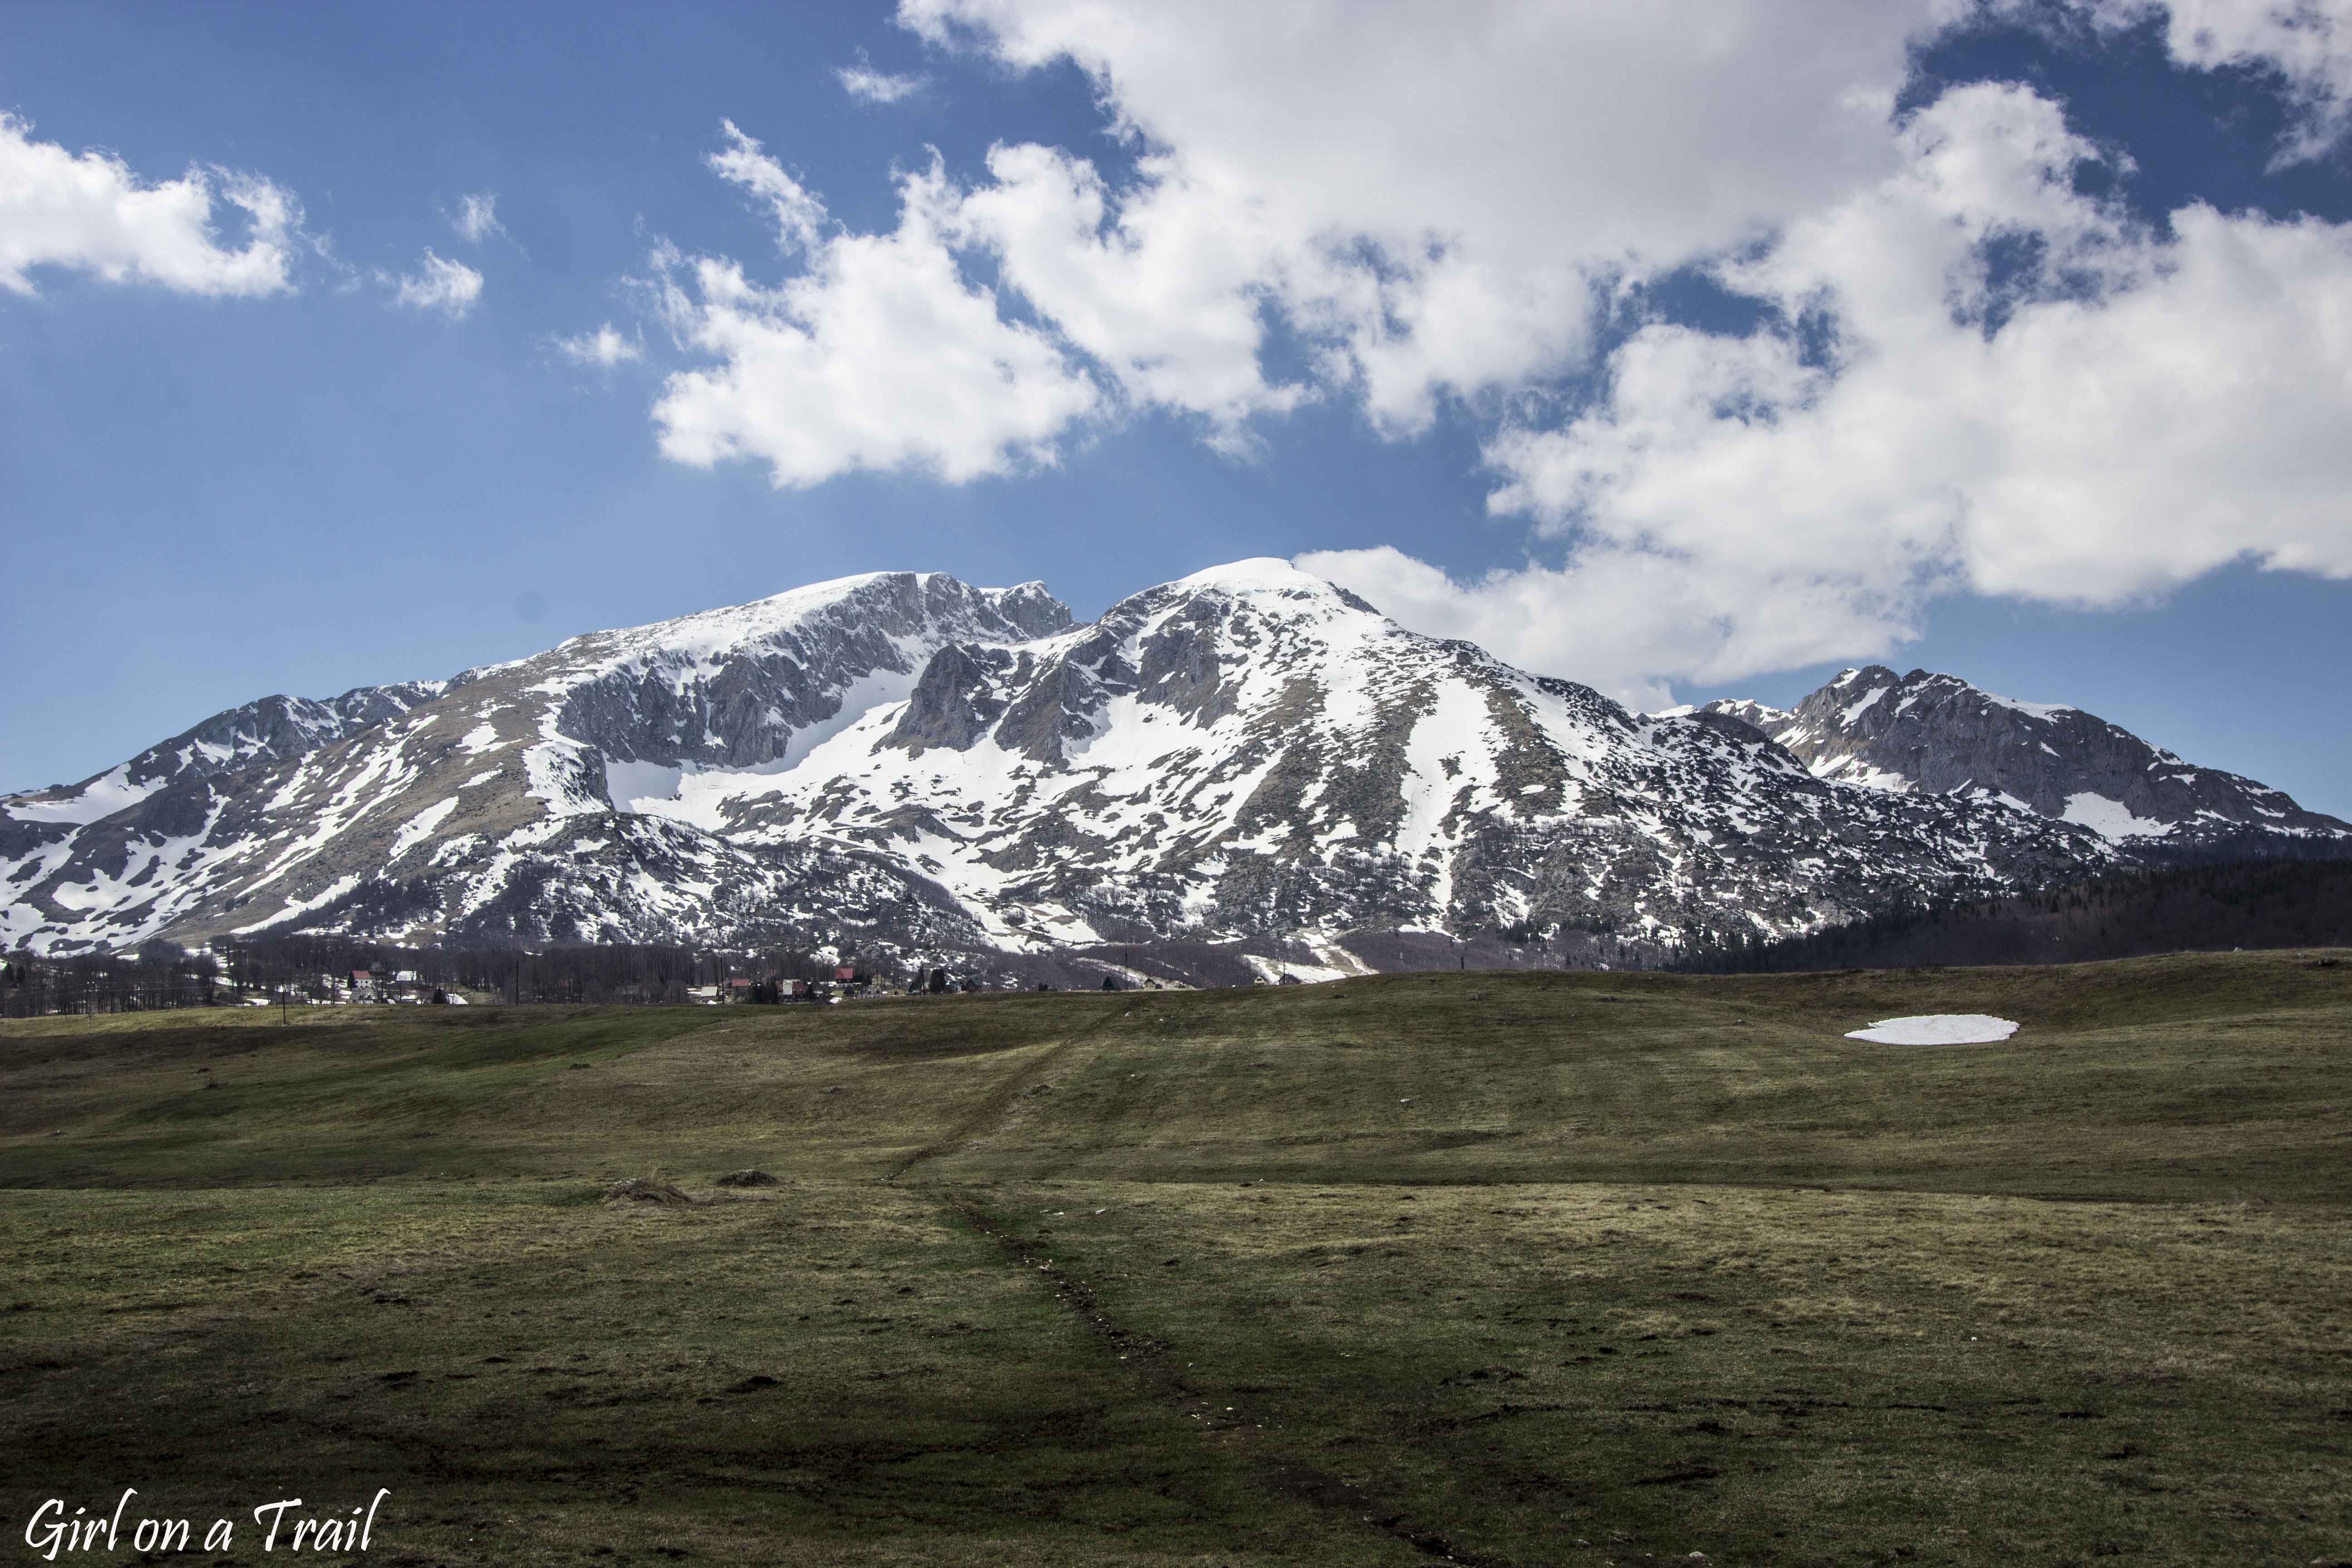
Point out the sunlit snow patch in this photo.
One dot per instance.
(102, 797)
(1937, 1029)
(643, 788)
(2110, 819)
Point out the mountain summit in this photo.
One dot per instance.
(903, 763)
(1924, 733)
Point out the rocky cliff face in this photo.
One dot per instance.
(904, 761)
(498, 804)
(1254, 751)
(1937, 734)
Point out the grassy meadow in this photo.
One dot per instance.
(1500, 1268)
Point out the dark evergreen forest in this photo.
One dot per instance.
(2195, 909)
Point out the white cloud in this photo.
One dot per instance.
(1428, 192)
(880, 356)
(438, 284)
(91, 212)
(799, 216)
(2307, 42)
(477, 218)
(604, 347)
(2127, 412)
(1970, 376)
(1163, 294)
(867, 85)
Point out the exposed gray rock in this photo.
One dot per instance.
(1251, 753)
(1249, 761)
(952, 702)
(1937, 734)
(483, 808)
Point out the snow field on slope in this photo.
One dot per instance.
(111, 791)
(2110, 819)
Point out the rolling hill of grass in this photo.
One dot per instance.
(1513, 1269)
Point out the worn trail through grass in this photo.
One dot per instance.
(1528, 1270)
(1150, 1364)
(1023, 1078)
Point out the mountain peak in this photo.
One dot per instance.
(1931, 732)
(1269, 580)
(1258, 571)
(1246, 752)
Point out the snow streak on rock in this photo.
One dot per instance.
(1936, 733)
(902, 762)
(480, 808)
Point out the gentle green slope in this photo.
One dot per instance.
(2158, 1078)
(1532, 1268)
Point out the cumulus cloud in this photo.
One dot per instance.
(1438, 200)
(1970, 376)
(867, 85)
(2103, 420)
(438, 284)
(1427, 200)
(1430, 194)
(91, 212)
(603, 348)
(1163, 292)
(477, 218)
(2308, 43)
(880, 354)
(799, 217)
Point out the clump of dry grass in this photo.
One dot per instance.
(647, 1190)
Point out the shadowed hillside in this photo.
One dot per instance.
(2207, 908)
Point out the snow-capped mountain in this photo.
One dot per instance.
(487, 805)
(1930, 734)
(902, 761)
(270, 729)
(1254, 750)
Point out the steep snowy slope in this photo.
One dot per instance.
(270, 730)
(1254, 751)
(901, 760)
(501, 801)
(1938, 734)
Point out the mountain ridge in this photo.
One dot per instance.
(1932, 732)
(903, 763)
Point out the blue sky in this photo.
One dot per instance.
(1898, 348)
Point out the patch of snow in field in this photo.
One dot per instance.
(2110, 819)
(1937, 1029)
(480, 739)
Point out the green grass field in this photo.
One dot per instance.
(1517, 1269)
